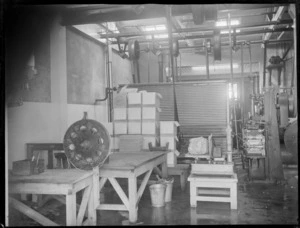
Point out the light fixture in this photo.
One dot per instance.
(226, 31)
(223, 23)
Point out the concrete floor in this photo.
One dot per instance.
(258, 203)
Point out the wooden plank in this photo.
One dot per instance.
(71, 209)
(213, 181)
(213, 199)
(82, 184)
(213, 191)
(83, 205)
(102, 182)
(96, 187)
(54, 176)
(120, 191)
(213, 168)
(31, 213)
(112, 207)
(143, 185)
(132, 185)
(38, 188)
(130, 160)
(92, 205)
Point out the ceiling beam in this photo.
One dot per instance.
(128, 12)
(198, 29)
(276, 17)
(149, 11)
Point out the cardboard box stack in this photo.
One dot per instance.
(168, 134)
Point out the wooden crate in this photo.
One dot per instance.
(151, 98)
(134, 98)
(134, 127)
(120, 127)
(120, 100)
(150, 113)
(168, 127)
(150, 127)
(134, 113)
(120, 113)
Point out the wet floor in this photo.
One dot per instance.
(258, 203)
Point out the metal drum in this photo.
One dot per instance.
(87, 144)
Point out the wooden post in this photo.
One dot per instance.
(132, 187)
(71, 209)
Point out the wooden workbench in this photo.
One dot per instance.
(130, 166)
(57, 182)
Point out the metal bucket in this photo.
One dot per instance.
(157, 193)
(168, 196)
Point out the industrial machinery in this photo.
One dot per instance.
(87, 144)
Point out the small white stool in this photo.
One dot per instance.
(216, 177)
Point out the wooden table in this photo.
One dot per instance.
(57, 182)
(130, 166)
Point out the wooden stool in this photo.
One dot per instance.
(183, 171)
(208, 181)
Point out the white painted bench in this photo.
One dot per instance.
(213, 183)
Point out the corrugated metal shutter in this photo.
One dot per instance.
(202, 107)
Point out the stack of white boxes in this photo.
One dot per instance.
(168, 134)
(143, 116)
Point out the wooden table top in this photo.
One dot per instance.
(53, 176)
(129, 161)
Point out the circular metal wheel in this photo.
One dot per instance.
(87, 144)
(134, 49)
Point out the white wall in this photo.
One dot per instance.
(36, 122)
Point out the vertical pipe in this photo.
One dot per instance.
(180, 64)
(160, 67)
(168, 11)
(243, 82)
(231, 71)
(295, 92)
(264, 66)
(175, 68)
(109, 81)
(207, 62)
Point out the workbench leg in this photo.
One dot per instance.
(71, 209)
(132, 185)
(193, 193)
(183, 180)
(164, 170)
(92, 217)
(233, 196)
(193, 216)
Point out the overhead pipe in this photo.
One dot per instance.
(189, 30)
(209, 36)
